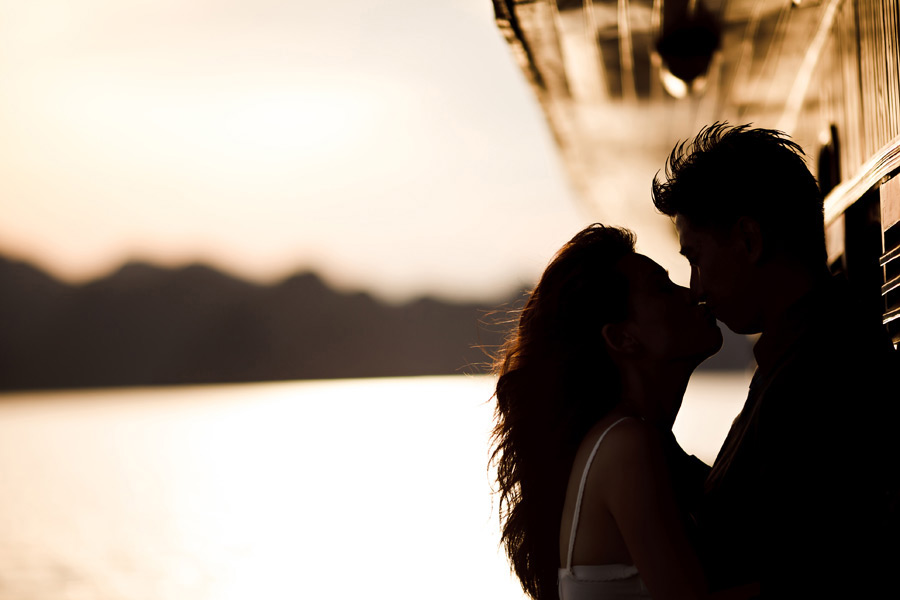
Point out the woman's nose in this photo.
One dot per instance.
(696, 289)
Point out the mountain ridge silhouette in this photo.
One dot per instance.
(145, 325)
(149, 325)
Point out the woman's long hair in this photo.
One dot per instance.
(555, 382)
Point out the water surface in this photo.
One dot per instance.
(340, 489)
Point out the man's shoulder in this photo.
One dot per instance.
(843, 313)
(842, 335)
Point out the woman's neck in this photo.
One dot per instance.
(654, 393)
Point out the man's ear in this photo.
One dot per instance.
(618, 339)
(749, 236)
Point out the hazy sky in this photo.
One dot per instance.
(392, 145)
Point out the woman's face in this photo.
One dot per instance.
(668, 325)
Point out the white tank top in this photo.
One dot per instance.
(596, 582)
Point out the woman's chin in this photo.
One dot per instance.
(720, 340)
(713, 344)
(714, 347)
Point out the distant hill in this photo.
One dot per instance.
(145, 325)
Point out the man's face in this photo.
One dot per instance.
(721, 274)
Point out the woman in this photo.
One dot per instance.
(589, 385)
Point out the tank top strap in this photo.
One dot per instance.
(578, 498)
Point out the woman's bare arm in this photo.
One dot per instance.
(638, 493)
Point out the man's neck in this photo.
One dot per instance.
(787, 315)
(787, 284)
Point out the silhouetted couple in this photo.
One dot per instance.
(597, 499)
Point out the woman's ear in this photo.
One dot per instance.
(618, 339)
(750, 238)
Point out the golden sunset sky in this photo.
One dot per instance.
(393, 146)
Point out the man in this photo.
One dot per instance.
(797, 497)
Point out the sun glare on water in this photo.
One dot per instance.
(341, 489)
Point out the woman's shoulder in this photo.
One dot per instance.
(622, 432)
(624, 441)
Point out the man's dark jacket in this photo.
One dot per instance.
(798, 497)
